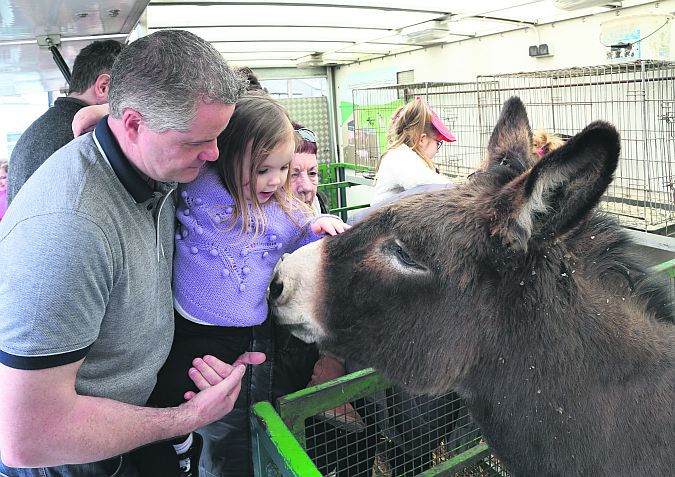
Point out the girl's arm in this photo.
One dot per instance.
(329, 225)
(87, 118)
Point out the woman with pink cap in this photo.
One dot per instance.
(415, 136)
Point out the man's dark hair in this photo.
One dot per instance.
(93, 60)
(253, 81)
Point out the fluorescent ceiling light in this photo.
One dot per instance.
(284, 33)
(271, 15)
(307, 46)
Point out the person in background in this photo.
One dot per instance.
(3, 188)
(89, 84)
(86, 252)
(253, 81)
(416, 134)
(544, 142)
(305, 171)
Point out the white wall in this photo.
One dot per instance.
(574, 42)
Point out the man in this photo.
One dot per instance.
(89, 85)
(86, 312)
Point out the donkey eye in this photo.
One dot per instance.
(403, 256)
(396, 250)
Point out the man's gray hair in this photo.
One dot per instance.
(164, 76)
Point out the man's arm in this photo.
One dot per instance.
(44, 422)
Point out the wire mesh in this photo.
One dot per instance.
(392, 433)
(637, 97)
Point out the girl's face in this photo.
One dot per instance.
(429, 145)
(271, 173)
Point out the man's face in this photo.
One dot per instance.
(173, 156)
(304, 177)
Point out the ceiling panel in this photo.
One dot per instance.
(186, 16)
(342, 30)
(25, 67)
(381, 48)
(272, 33)
(275, 45)
(25, 19)
(308, 33)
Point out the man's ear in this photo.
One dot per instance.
(132, 122)
(101, 88)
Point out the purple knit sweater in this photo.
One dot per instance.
(220, 277)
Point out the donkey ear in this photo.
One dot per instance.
(560, 190)
(509, 148)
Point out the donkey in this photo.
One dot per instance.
(512, 290)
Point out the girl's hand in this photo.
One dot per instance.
(87, 118)
(329, 225)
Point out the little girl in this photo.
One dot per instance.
(415, 136)
(235, 221)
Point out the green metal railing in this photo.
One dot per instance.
(279, 437)
(667, 267)
(334, 185)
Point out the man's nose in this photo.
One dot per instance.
(210, 153)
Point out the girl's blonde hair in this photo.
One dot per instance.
(407, 126)
(261, 121)
(544, 142)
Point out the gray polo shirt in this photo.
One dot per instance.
(85, 271)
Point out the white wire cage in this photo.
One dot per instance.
(637, 97)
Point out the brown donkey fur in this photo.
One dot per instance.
(513, 291)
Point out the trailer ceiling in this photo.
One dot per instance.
(260, 34)
(285, 33)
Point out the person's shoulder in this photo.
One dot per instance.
(398, 153)
(397, 159)
(83, 147)
(66, 170)
(46, 134)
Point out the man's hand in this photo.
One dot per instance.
(209, 371)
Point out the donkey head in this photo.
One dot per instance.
(422, 288)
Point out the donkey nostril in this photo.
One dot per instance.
(276, 287)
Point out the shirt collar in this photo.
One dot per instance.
(132, 181)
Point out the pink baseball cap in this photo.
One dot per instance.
(446, 134)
